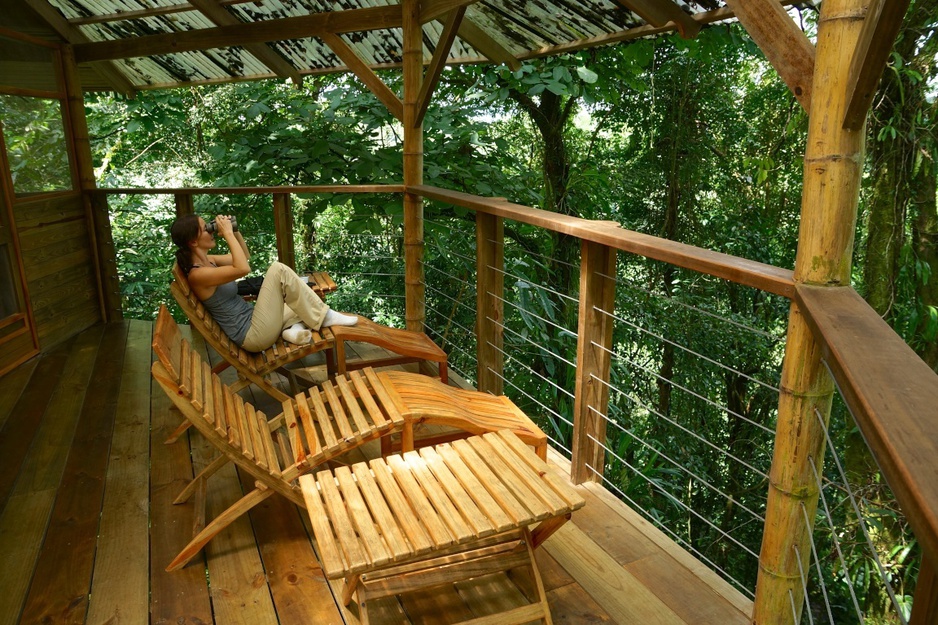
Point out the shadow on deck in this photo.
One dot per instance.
(87, 524)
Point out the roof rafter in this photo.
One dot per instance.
(315, 25)
(488, 47)
(436, 9)
(785, 46)
(660, 12)
(438, 62)
(365, 74)
(122, 16)
(880, 29)
(109, 71)
(267, 55)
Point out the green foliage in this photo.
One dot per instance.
(35, 141)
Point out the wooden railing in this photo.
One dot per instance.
(892, 394)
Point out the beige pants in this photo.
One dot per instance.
(283, 301)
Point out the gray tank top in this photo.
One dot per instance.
(230, 311)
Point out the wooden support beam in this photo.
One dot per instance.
(488, 47)
(832, 166)
(594, 346)
(787, 48)
(355, 20)
(267, 55)
(925, 601)
(659, 12)
(283, 226)
(438, 62)
(880, 29)
(414, 275)
(365, 74)
(152, 11)
(490, 294)
(435, 9)
(109, 71)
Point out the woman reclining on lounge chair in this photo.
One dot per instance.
(285, 301)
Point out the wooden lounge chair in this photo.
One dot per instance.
(251, 366)
(425, 400)
(313, 428)
(255, 367)
(438, 516)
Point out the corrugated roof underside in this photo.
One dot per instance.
(520, 26)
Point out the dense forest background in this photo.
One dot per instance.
(696, 141)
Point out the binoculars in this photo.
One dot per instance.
(210, 226)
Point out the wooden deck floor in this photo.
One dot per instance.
(87, 524)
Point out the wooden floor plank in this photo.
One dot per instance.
(436, 606)
(25, 518)
(572, 604)
(491, 594)
(120, 583)
(62, 578)
(236, 576)
(623, 596)
(11, 388)
(180, 596)
(16, 437)
(299, 589)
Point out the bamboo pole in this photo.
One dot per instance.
(415, 313)
(490, 293)
(594, 344)
(833, 160)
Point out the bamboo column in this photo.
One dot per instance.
(283, 225)
(96, 207)
(833, 161)
(490, 293)
(415, 313)
(594, 343)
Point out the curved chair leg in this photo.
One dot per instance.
(219, 523)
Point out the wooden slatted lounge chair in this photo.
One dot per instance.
(313, 428)
(425, 400)
(438, 516)
(255, 367)
(251, 366)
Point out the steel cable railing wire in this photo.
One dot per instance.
(817, 560)
(702, 311)
(690, 351)
(678, 539)
(804, 585)
(674, 384)
(674, 499)
(834, 539)
(693, 434)
(859, 516)
(677, 464)
(527, 368)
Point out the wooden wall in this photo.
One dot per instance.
(57, 257)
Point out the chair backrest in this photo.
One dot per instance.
(168, 343)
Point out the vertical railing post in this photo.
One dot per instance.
(925, 601)
(283, 226)
(184, 204)
(594, 345)
(490, 293)
(832, 166)
(414, 284)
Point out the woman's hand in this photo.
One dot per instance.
(223, 225)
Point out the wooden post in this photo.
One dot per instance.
(925, 602)
(490, 293)
(96, 207)
(283, 224)
(184, 204)
(833, 161)
(594, 343)
(415, 313)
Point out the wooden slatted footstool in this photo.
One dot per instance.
(437, 516)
